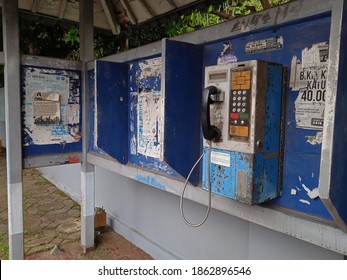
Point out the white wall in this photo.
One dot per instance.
(2, 118)
(150, 218)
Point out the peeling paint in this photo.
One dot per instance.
(293, 191)
(133, 145)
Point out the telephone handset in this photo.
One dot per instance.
(209, 95)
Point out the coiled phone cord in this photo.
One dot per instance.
(209, 189)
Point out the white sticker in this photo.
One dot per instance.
(220, 158)
(264, 45)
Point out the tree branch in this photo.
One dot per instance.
(222, 15)
(266, 4)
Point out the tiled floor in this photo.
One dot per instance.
(51, 219)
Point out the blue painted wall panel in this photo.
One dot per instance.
(183, 81)
(301, 158)
(112, 109)
(338, 190)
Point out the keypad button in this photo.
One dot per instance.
(234, 116)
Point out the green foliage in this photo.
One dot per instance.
(39, 38)
(106, 44)
(72, 36)
(55, 40)
(139, 36)
(279, 2)
(212, 15)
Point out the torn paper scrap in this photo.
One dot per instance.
(312, 194)
(295, 82)
(315, 56)
(304, 201)
(316, 139)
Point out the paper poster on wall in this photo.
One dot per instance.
(51, 106)
(149, 108)
(46, 108)
(149, 124)
(309, 77)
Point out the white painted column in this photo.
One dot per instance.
(13, 129)
(87, 170)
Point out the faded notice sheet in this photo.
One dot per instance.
(149, 123)
(309, 77)
(51, 106)
(46, 108)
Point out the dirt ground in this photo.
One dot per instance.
(52, 225)
(109, 246)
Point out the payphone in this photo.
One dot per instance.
(242, 116)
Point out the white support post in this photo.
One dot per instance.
(13, 129)
(87, 170)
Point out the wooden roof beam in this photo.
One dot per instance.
(172, 3)
(34, 6)
(62, 9)
(111, 16)
(147, 7)
(129, 12)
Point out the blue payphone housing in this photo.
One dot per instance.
(245, 161)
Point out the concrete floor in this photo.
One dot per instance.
(52, 220)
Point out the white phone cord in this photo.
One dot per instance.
(209, 189)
